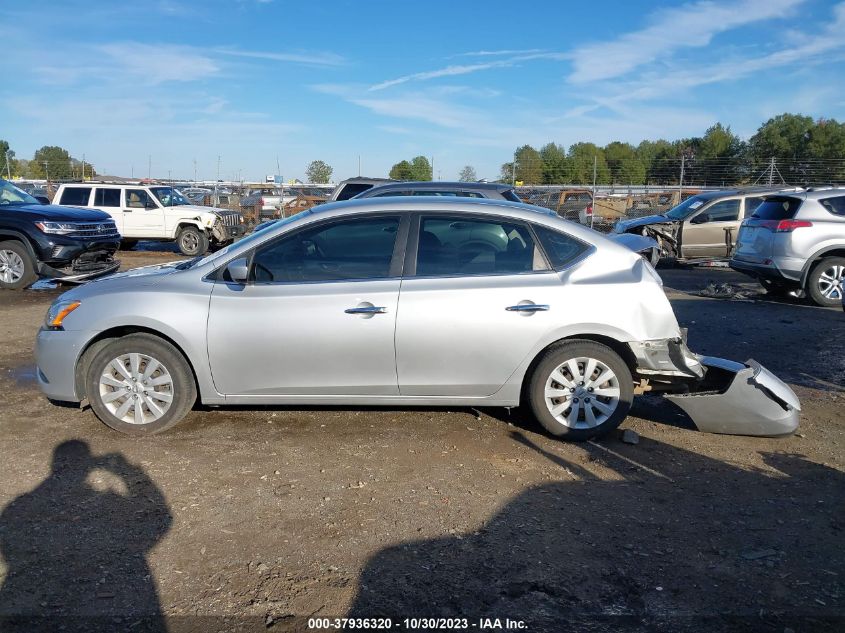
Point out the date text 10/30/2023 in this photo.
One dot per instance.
(418, 624)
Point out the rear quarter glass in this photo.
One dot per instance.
(835, 205)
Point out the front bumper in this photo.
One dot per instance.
(75, 261)
(740, 399)
(56, 356)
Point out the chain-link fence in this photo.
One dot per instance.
(598, 192)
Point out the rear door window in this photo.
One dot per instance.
(76, 196)
(835, 205)
(777, 208)
(465, 245)
(106, 197)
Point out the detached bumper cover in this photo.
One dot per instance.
(741, 399)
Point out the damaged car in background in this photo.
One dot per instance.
(412, 301)
(71, 245)
(703, 226)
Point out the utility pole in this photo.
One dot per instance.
(149, 166)
(8, 167)
(195, 170)
(216, 197)
(432, 167)
(513, 170)
(681, 181)
(595, 171)
(47, 172)
(83, 167)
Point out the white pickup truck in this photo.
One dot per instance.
(156, 212)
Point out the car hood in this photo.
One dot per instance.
(626, 225)
(55, 213)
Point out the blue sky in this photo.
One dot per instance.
(464, 82)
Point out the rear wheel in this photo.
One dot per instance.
(192, 241)
(826, 282)
(139, 385)
(580, 390)
(17, 268)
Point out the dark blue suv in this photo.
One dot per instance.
(47, 240)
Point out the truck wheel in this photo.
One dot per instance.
(17, 268)
(192, 241)
(826, 282)
(139, 384)
(580, 390)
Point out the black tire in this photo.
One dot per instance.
(192, 241)
(182, 390)
(128, 245)
(775, 288)
(16, 254)
(556, 356)
(817, 284)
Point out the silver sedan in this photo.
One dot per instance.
(394, 301)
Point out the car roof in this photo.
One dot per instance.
(429, 203)
(439, 184)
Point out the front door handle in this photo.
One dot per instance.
(528, 307)
(127, 210)
(366, 310)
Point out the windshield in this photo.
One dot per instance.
(686, 208)
(9, 194)
(169, 197)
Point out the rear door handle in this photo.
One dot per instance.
(528, 307)
(366, 310)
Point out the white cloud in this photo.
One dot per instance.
(449, 71)
(158, 63)
(688, 26)
(308, 59)
(526, 51)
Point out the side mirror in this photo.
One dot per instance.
(701, 218)
(238, 270)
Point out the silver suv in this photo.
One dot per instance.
(796, 241)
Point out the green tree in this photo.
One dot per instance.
(555, 165)
(421, 169)
(529, 165)
(625, 166)
(402, 171)
(52, 161)
(318, 172)
(826, 146)
(658, 158)
(719, 156)
(468, 174)
(506, 173)
(783, 136)
(582, 156)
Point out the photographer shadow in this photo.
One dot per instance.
(75, 547)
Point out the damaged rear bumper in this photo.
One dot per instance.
(740, 399)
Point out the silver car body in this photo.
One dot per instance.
(448, 340)
(767, 251)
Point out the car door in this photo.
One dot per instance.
(142, 216)
(318, 316)
(466, 309)
(711, 231)
(108, 199)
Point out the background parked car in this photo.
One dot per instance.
(438, 188)
(703, 226)
(351, 187)
(42, 239)
(796, 241)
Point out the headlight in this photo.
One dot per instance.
(57, 313)
(60, 228)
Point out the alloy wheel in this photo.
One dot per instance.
(832, 282)
(190, 242)
(582, 393)
(136, 388)
(11, 267)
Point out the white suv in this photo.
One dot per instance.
(156, 212)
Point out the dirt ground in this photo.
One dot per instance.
(255, 519)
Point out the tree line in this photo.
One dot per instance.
(788, 148)
(51, 161)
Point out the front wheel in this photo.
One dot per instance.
(580, 390)
(826, 283)
(192, 241)
(17, 268)
(139, 384)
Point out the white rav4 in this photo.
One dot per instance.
(156, 212)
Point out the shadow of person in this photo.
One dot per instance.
(653, 538)
(75, 552)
